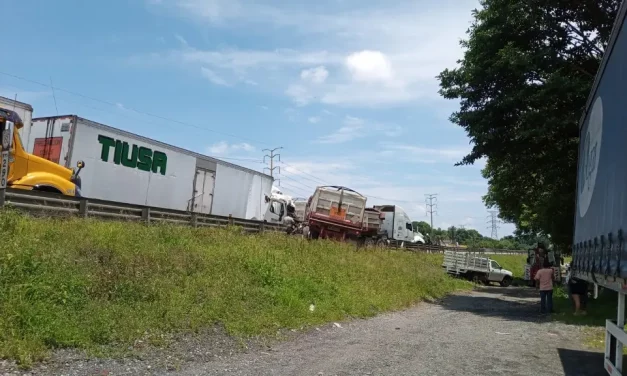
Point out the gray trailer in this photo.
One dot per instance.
(599, 254)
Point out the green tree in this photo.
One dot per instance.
(527, 70)
(422, 227)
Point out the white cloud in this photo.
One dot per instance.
(315, 75)
(299, 94)
(420, 154)
(369, 66)
(313, 119)
(212, 10)
(181, 40)
(351, 130)
(213, 77)
(224, 148)
(354, 127)
(382, 55)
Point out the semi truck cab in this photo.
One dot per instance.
(30, 172)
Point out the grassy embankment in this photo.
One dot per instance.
(100, 285)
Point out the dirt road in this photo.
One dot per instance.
(493, 331)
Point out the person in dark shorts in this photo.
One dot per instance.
(579, 292)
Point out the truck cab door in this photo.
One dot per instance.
(409, 232)
(274, 212)
(496, 272)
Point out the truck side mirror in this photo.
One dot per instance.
(79, 167)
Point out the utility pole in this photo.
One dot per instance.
(431, 201)
(271, 157)
(493, 223)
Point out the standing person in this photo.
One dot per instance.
(545, 277)
(579, 292)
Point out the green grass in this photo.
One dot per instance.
(598, 310)
(99, 286)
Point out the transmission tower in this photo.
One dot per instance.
(431, 201)
(271, 158)
(493, 223)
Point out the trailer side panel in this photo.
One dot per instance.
(601, 210)
(125, 169)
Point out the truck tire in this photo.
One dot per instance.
(476, 279)
(506, 282)
(369, 242)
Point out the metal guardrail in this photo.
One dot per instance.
(54, 205)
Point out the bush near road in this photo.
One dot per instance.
(101, 285)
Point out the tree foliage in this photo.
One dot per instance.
(473, 239)
(527, 70)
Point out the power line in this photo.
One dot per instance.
(431, 202)
(130, 108)
(320, 181)
(298, 182)
(317, 181)
(493, 221)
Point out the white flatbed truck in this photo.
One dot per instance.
(476, 267)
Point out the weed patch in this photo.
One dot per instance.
(102, 285)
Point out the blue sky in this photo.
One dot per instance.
(346, 87)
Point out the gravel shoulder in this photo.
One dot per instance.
(490, 331)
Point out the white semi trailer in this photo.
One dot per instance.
(129, 168)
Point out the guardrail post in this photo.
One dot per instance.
(262, 226)
(3, 197)
(230, 220)
(194, 220)
(82, 207)
(146, 214)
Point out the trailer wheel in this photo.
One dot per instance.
(369, 242)
(314, 235)
(476, 279)
(506, 282)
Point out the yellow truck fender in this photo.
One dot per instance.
(46, 182)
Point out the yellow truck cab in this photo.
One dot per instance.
(30, 172)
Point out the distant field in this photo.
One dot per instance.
(102, 285)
